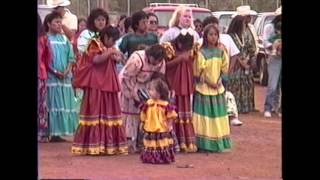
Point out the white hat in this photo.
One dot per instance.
(278, 11)
(243, 10)
(56, 3)
(252, 12)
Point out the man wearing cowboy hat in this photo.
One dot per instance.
(250, 41)
(249, 31)
(69, 20)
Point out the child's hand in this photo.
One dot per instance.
(172, 94)
(117, 57)
(202, 79)
(59, 74)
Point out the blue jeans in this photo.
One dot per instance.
(273, 91)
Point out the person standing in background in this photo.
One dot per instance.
(198, 26)
(135, 75)
(120, 25)
(43, 55)
(272, 44)
(69, 20)
(63, 115)
(180, 19)
(233, 52)
(141, 38)
(153, 22)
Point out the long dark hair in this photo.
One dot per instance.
(277, 22)
(81, 19)
(49, 18)
(136, 17)
(161, 87)
(186, 42)
(206, 32)
(111, 32)
(127, 24)
(94, 14)
(156, 51)
(236, 26)
(209, 20)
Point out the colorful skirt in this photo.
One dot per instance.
(241, 85)
(63, 114)
(183, 126)
(158, 148)
(211, 123)
(43, 125)
(101, 129)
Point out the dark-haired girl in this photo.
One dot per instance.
(180, 79)
(156, 117)
(210, 118)
(101, 129)
(135, 75)
(56, 58)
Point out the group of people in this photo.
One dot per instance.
(128, 89)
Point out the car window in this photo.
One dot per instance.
(257, 24)
(253, 18)
(268, 19)
(165, 16)
(200, 15)
(224, 22)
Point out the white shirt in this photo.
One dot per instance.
(173, 32)
(268, 31)
(84, 39)
(70, 20)
(227, 41)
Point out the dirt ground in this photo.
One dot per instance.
(256, 155)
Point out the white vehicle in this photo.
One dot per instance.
(224, 18)
(44, 10)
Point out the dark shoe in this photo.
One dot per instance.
(57, 139)
(44, 140)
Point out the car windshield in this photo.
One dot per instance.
(165, 16)
(260, 23)
(224, 22)
(257, 22)
(268, 19)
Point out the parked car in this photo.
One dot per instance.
(262, 72)
(164, 12)
(225, 18)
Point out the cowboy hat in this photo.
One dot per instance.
(278, 11)
(252, 12)
(243, 10)
(56, 3)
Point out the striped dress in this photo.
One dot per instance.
(180, 79)
(135, 75)
(63, 115)
(158, 137)
(101, 130)
(210, 118)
